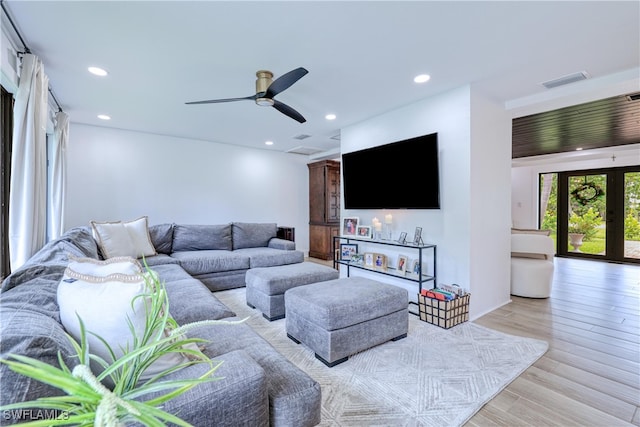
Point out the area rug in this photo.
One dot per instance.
(434, 377)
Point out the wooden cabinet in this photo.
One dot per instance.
(324, 207)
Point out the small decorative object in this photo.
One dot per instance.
(417, 238)
(380, 262)
(403, 238)
(349, 226)
(377, 228)
(368, 259)
(587, 192)
(347, 250)
(388, 220)
(401, 267)
(364, 231)
(416, 267)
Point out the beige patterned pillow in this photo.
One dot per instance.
(118, 238)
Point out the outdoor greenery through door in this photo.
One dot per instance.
(594, 213)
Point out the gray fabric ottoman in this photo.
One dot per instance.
(341, 317)
(266, 286)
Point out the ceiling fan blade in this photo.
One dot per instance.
(288, 111)
(285, 81)
(215, 101)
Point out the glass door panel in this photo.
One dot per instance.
(586, 216)
(632, 215)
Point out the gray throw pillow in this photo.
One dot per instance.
(253, 235)
(162, 237)
(201, 237)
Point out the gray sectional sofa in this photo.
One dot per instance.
(260, 387)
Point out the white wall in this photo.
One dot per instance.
(524, 175)
(121, 175)
(472, 241)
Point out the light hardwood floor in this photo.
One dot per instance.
(590, 376)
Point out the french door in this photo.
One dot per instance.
(597, 213)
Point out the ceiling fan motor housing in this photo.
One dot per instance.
(263, 82)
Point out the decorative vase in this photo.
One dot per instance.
(575, 240)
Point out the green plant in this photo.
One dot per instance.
(585, 224)
(631, 226)
(89, 402)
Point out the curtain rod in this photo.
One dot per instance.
(26, 48)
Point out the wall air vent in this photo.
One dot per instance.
(564, 80)
(301, 136)
(304, 150)
(634, 97)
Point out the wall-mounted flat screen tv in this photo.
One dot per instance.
(399, 175)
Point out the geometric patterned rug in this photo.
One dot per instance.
(434, 377)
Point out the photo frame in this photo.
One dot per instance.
(415, 267)
(380, 262)
(401, 265)
(347, 250)
(403, 237)
(350, 225)
(368, 259)
(364, 231)
(417, 237)
(357, 259)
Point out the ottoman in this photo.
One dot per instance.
(266, 285)
(341, 317)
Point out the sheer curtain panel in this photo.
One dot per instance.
(58, 175)
(28, 192)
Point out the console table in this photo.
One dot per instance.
(421, 278)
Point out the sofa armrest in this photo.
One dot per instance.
(278, 243)
(238, 397)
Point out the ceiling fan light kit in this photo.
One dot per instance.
(267, 89)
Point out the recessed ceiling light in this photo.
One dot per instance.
(104, 117)
(330, 116)
(268, 142)
(422, 78)
(97, 71)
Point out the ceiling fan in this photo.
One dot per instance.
(267, 89)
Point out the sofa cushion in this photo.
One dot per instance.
(269, 257)
(189, 299)
(201, 237)
(162, 237)
(130, 238)
(253, 235)
(211, 261)
(30, 326)
(160, 259)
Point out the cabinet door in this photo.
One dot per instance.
(317, 209)
(333, 194)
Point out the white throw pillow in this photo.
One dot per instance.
(104, 294)
(124, 238)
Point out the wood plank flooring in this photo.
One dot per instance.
(590, 376)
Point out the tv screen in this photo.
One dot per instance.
(400, 175)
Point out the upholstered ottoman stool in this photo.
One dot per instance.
(341, 317)
(266, 285)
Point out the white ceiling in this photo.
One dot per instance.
(361, 56)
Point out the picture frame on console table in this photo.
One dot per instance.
(347, 250)
(380, 262)
(403, 238)
(350, 225)
(368, 259)
(417, 237)
(364, 231)
(401, 265)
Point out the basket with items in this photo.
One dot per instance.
(446, 306)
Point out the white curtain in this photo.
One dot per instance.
(58, 175)
(28, 191)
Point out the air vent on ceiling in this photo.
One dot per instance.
(564, 80)
(634, 97)
(335, 137)
(304, 150)
(302, 136)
